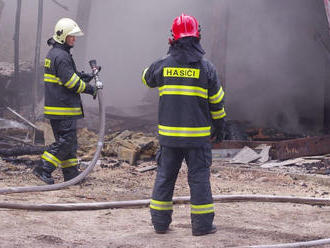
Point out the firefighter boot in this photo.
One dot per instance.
(70, 173)
(44, 172)
(201, 233)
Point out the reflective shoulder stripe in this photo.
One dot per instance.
(72, 82)
(218, 114)
(51, 159)
(143, 76)
(202, 209)
(180, 72)
(217, 97)
(62, 111)
(69, 163)
(184, 131)
(183, 90)
(161, 205)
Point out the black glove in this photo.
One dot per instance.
(218, 130)
(91, 90)
(86, 77)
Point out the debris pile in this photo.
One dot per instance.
(12, 93)
(12, 133)
(126, 146)
(260, 157)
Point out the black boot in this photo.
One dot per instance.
(44, 172)
(201, 233)
(70, 173)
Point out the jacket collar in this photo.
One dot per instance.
(187, 50)
(52, 42)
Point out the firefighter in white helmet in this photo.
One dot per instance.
(63, 106)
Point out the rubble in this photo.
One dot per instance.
(130, 146)
(126, 146)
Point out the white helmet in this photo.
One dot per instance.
(65, 27)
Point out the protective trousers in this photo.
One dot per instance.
(169, 160)
(62, 153)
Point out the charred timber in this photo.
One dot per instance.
(22, 150)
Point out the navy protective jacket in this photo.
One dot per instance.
(63, 84)
(191, 96)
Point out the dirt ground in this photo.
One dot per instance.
(239, 224)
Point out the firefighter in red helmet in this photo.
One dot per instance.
(191, 101)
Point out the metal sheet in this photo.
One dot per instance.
(287, 149)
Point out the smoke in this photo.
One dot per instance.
(275, 67)
(266, 54)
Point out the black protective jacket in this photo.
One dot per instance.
(191, 97)
(63, 84)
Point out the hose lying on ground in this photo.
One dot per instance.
(176, 200)
(81, 175)
(182, 200)
(294, 245)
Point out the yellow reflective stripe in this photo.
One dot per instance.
(180, 72)
(62, 111)
(52, 78)
(183, 90)
(218, 114)
(51, 159)
(72, 82)
(161, 205)
(184, 131)
(82, 86)
(69, 162)
(143, 76)
(47, 63)
(217, 97)
(202, 209)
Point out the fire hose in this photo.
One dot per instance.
(97, 153)
(182, 200)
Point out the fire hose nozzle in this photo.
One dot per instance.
(96, 69)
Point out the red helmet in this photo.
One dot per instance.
(184, 26)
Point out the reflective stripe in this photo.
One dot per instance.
(52, 79)
(184, 131)
(143, 76)
(217, 97)
(62, 111)
(47, 63)
(161, 205)
(218, 114)
(202, 209)
(69, 163)
(183, 90)
(72, 82)
(180, 72)
(82, 86)
(51, 159)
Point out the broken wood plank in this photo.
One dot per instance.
(283, 163)
(147, 168)
(22, 150)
